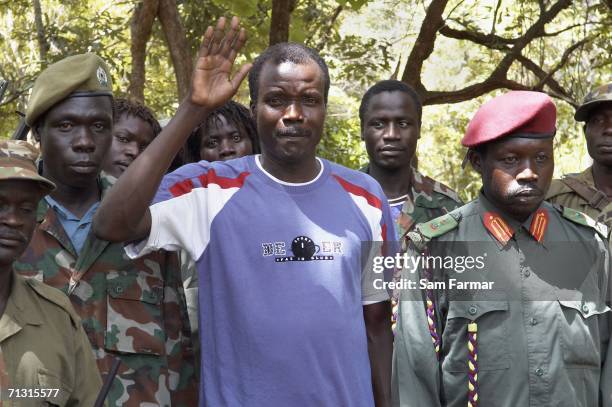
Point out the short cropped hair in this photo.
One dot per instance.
(286, 52)
(236, 114)
(125, 107)
(390, 86)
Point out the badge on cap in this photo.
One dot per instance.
(102, 78)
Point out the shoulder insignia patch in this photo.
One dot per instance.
(56, 297)
(438, 226)
(584, 220)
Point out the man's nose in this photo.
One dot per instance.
(293, 113)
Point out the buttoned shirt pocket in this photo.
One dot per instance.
(135, 315)
(53, 390)
(580, 332)
(491, 317)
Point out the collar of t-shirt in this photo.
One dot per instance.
(76, 229)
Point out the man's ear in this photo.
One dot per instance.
(36, 132)
(475, 159)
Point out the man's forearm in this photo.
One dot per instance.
(380, 349)
(123, 209)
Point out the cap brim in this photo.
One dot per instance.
(582, 113)
(32, 176)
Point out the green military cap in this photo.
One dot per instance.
(18, 161)
(78, 75)
(595, 98)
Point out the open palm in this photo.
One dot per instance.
(211, 85)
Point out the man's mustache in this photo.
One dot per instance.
(293, 132)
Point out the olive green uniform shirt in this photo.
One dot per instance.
(544, 326)
(560, 193)
(43, 346)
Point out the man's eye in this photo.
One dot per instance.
(377, 124)
(122, 139)
(541, 158)
(403, 124)
(310, 100)
(211, 143)
(510, 160)
(65, 126)
(237, 138)
(99, 126)
(275, 101)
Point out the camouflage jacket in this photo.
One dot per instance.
(427, 200)
(587, 199)
(133, 310)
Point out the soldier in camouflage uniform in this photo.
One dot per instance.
(530, 324)
(591, 190)
(390, 116)
(45, 357)
(131, 310)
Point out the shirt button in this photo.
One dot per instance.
(533, 321)
(585, 308)
(539, 371)
(526, 273)
(473, 310)
(118, 289)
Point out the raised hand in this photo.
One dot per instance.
(211, 85)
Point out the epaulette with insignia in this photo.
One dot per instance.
(583, 219)
(56, 297)
(438, 226)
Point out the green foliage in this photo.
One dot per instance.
(363, 41)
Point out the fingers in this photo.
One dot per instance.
(239, 42)
(206, 41)
(230, 37)
(240, 75)
(216, 43)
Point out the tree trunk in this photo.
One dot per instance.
(140, 30)
(43, 45)
(280, 21)
(177, 44)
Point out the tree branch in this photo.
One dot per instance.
(140, 30)
(499, 77)
(177, 45)
(280, 20)
(424, 44)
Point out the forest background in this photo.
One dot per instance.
(455, 53)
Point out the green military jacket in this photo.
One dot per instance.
(45, 356)
(584, 197)
(538, 336)
(427, 200)
(133, 310)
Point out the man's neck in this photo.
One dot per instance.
(76, 200)
(6, 279)
(602, 176)
(394, 183)
(294, 173)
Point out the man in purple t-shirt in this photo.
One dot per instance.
(290, 314)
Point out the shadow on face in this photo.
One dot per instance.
(75, 136)
(516, 173)
(18, 202)
(131, 135)
(390, 130)
(224, 140)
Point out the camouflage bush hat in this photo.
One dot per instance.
(595, 98)
(18, 161)
(78, 75)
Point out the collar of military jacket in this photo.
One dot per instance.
(502, 229)
(18, 312)
(420, 188)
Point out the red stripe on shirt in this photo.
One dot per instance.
(211, 177)
(181, 188)
(370, 198)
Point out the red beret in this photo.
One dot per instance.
(533, 114)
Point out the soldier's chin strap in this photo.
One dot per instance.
(473, 364)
